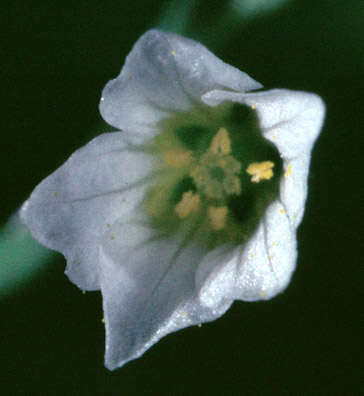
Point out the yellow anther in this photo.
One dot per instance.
(282, 211)
(288, 171)
(217, 216)
(260, 171)
(254, 107)
(221, 142)
(189, 203)
(173, 53)
(177, 158)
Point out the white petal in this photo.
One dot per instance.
(216, 277)
(291, 120)
(258, 270)
(165, 72)
(148, 287)
(268, 260)
(71, 209)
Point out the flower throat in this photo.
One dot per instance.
(215, 174)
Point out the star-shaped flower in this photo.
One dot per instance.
(194, 204)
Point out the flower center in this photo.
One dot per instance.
(215, 174)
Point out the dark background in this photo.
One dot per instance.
(56, 58)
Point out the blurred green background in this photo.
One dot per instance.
(56, 58)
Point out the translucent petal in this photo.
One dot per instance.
(165, 72)
(149, 290)
(71, 209)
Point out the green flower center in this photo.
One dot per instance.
(215, 176)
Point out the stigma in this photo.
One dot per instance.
(216, 174)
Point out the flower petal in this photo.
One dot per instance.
(258, 270)
(71, 209)
(148, 287)
(165, 72)
(291, 120)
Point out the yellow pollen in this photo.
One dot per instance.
(254, 107)
(221, 142)
(217, 216)
(173, 53)
(288, 171)
(178, 158)
(189, 203)
(282, 211)
(260, 171)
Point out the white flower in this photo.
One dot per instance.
(194, 204)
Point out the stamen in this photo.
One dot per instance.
(260, 171)
(221, 142)
(178, 158)
(189, 203)
(217, 216)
